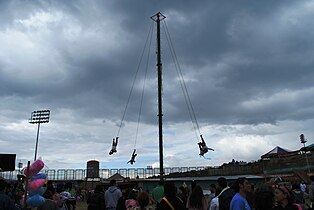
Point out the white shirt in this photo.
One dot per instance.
(214, 204)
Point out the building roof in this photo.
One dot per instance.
(117, 177)
(308, 148)
(277, 152)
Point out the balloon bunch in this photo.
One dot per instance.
(36, 184)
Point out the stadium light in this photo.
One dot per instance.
(303, 141)
(38, 117)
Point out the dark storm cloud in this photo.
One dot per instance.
(219, 34)
(257, 48)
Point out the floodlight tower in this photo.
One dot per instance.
(303, 141)
(37, 117)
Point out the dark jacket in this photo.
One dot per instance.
(225, 199)
(96, 201)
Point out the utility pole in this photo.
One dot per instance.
(157, 18)
(38, 117)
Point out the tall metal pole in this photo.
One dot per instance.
(157, 18)
(38, 117)
(35, 156)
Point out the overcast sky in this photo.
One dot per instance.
(247, 65)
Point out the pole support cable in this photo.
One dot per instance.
(143, 88)
(182, 82)
(135, 76)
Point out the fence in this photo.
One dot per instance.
(80, 174)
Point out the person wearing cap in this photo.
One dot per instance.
(284, 199)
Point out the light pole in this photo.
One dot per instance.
(303, 141)
(37, 117)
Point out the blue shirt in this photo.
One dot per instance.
(239, 203)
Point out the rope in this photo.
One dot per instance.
(138, 67)
(182, 82)
(143, 89)
(206, 158)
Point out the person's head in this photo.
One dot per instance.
(112, 182)
(212, 188)
(143, 199)
(133, 194)
(242, 185)
(312, 178)
(170, 189)
(182, 189)
(264, 198)
(161, 183)
(48, 194)
(99, 188)
(198, 191)
(60, 187)
(196, 197)
(283, 195)
(295, 186)
(222, 182)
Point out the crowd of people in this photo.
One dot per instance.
(239, 195)
(56, 197)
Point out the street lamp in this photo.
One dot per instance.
(37, 117)
(303, 141)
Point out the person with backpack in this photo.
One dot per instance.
(170, 201)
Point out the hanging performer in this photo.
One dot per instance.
(133, 157)
(203, 148)
(114, 146)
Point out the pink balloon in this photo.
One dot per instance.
(35, 184)
(34, 168)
